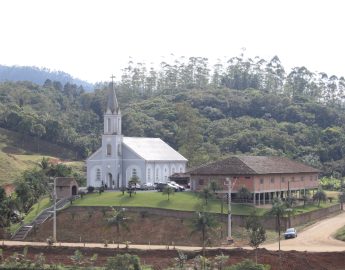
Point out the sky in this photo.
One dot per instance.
(92, 39)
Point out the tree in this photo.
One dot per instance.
(213, 186)
(119, 220)
(206, 194)
(203, 223)
(133, 182)
(243, 194)
(168, 191)
(278, 211)
(319, 196)
(257, 233)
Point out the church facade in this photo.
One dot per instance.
(120, 158)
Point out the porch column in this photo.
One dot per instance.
(254, 198)
(264, 198)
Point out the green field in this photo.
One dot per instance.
(18, 153)
(186, 201)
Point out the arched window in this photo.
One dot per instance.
(98, 174)
(109, 125)
(134, 172)
(149, 174)
(173, 170)
(157, 174)
(108, 149)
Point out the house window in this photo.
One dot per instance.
(311, 178)
(261, 181)
(302, 178)
(98, 174)
(272, 180)
(283, 179)
(157, 171)
(149, 174)
(247, 177)
(108, 149)
(173, 170)
(109, 125)
(315, 177)
(201, 182)
(119, 149)
(293, 178)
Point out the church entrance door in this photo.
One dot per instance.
(110, 181)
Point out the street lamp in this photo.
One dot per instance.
(54, 211)
(54, 221)
(228, 183)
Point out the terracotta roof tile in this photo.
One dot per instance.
(240, 165)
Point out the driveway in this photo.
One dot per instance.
(317, 237)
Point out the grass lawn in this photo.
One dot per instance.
(186, 201)
(34, 211)
(312, 207)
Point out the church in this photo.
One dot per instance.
(120, 158)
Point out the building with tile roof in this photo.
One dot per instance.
(265, 177)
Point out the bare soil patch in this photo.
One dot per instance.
(161, 259)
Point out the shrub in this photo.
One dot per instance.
(248, 265)
(123, 262)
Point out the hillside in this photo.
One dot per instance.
(19, 152)
(39, 76)
(244, 106)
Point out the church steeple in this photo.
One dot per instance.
(112, 104)
(112, 115)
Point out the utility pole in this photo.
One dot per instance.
(54, 221)
(228, 183)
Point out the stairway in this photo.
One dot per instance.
(24, 230)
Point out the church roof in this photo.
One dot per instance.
(237, 165)
(152, 149)
(112, 104)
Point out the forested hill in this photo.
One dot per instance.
(39, 76)
(242, 106)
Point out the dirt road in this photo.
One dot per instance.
(317, 237)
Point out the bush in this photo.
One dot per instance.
(90, 189)
(123, 262)
(248, 265)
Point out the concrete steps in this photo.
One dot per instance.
(24, 230)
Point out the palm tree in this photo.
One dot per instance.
(118, 220)
(213, 186)
(168, 191)
(319, 196)
(206, 194)
(278, 210)
(203, 223)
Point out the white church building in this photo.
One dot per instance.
(120, 158)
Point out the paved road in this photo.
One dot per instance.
(317, 237)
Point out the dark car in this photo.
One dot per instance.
(290, 233)
(161, 186)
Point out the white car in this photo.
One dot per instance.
(290, 233)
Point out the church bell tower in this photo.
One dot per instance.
(112, 142)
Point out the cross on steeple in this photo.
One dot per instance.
(112, 77)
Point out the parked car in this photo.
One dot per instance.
(148, 186)
(290, 233)
(177, 186)
(160, 186)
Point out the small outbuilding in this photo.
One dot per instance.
(66, 187)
